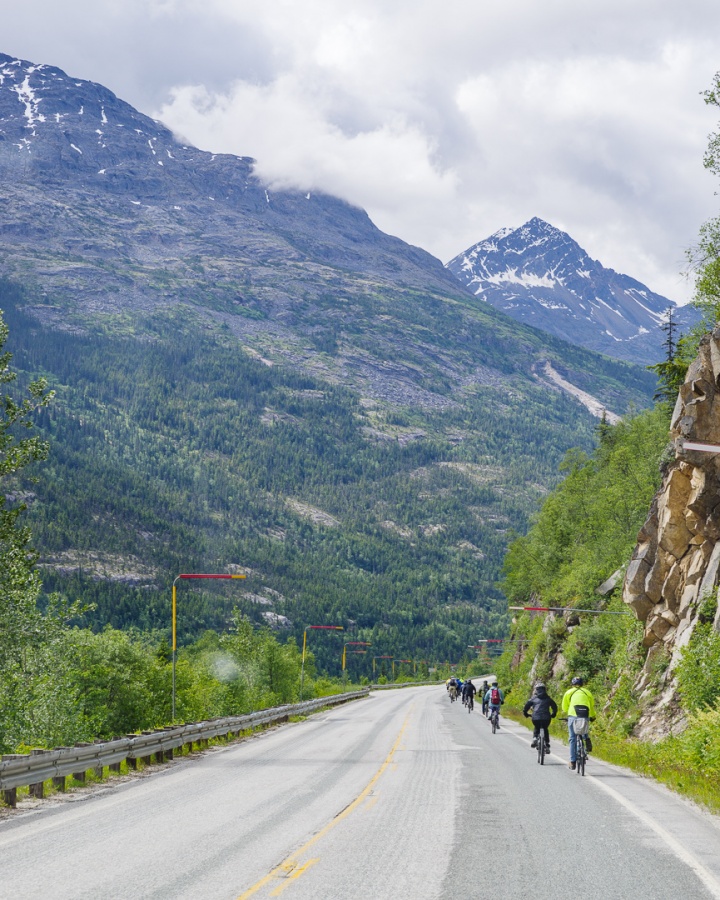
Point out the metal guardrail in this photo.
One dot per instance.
(32, 769)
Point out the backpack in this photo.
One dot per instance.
(495, 696)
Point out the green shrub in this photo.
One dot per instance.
(698, 672)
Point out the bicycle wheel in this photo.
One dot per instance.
(541, 749)
(580, 762)
(494, 721)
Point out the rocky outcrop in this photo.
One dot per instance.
(676, 562)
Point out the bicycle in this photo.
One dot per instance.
(470, 703)
(494, 719)
(581, 754)
(580, 746)
(542, 748)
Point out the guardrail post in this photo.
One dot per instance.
(98, 770)
(131, 760)
(80, 776)
(169, 754)
(10, 794)
(59, 783)
(37, 790)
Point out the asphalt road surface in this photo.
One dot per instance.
(402, 795)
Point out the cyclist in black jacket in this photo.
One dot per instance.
(483, 691)
(544, 708)
(468, 694)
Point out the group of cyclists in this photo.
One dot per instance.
(492, 696)
(577, 704)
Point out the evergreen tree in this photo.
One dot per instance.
(21, 624)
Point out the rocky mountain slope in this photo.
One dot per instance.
(672, 580)
(264, 379)
(539, 275)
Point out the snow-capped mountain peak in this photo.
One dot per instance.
(540, 275)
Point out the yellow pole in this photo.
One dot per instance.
(344, 659)
(174, 643)
(174, 618)
(302, 667)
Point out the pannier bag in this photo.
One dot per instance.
(581, 726)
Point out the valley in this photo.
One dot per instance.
(264, 380)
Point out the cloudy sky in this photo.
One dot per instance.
(446, 121)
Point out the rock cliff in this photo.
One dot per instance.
(676, 562)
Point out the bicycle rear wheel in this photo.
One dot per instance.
(580, 762)
(494, 722)
(541, 749)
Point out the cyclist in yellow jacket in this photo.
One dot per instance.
(576, 700)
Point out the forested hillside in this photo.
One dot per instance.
(178, 453)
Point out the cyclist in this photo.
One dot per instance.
(483, 691)
(452, 688)
(577, 702)
(544, 708)
(459, 683)
(468, 694)
(494, 698)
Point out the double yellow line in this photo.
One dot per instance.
(290, 869)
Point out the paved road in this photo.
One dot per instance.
(402, 795)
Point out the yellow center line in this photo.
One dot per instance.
(291, 862)
(296, 874)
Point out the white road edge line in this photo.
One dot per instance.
(707, 877)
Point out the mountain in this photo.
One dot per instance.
(539, 275)
(99, 198)
(264, 380)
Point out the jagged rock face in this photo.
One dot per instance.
(676, 562)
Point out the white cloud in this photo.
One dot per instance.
(444, 122)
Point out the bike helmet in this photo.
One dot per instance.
(494, 684)
(577, 681)
(539, 686)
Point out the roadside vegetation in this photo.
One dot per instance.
(584, 533)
